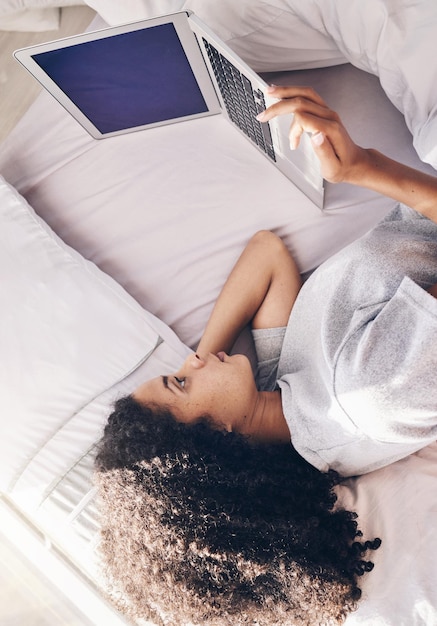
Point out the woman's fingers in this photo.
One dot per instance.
(326, 138)
(311, 122)
(294, 105)
(299, 101)
(284, 93)
(337, 152)
(331, 165)
(308, 121)
(339, 156)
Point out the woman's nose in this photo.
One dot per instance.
(195, 361)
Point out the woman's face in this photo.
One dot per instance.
(219, 386)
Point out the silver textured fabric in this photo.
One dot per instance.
(357, 369)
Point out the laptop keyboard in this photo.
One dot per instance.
(242, 102)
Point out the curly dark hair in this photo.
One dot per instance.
(202, 526)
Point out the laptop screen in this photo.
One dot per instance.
(127, 80)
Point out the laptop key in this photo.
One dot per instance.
(241, 101)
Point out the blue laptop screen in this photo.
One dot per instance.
(127, 80)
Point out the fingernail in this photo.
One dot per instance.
(261, 116)
(271, 87)
(318, 138)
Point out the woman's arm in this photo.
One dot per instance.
(342, 160)
(260, 290)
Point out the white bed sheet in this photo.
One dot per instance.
(166, 213)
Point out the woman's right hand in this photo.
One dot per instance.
(341, 159)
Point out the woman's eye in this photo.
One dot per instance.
(181, 381)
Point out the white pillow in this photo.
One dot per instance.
(396, 40)
(68, 334)
(118, 12)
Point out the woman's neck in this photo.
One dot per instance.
(267, 422)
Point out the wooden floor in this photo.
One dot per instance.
(26, 598)
(17, 88)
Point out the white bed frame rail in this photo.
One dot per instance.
(46, 558)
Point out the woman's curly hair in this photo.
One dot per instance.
(205, 527)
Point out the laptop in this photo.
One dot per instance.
(164, 70)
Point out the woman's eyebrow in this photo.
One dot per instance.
(165, 381)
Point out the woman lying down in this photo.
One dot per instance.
(217, 489)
